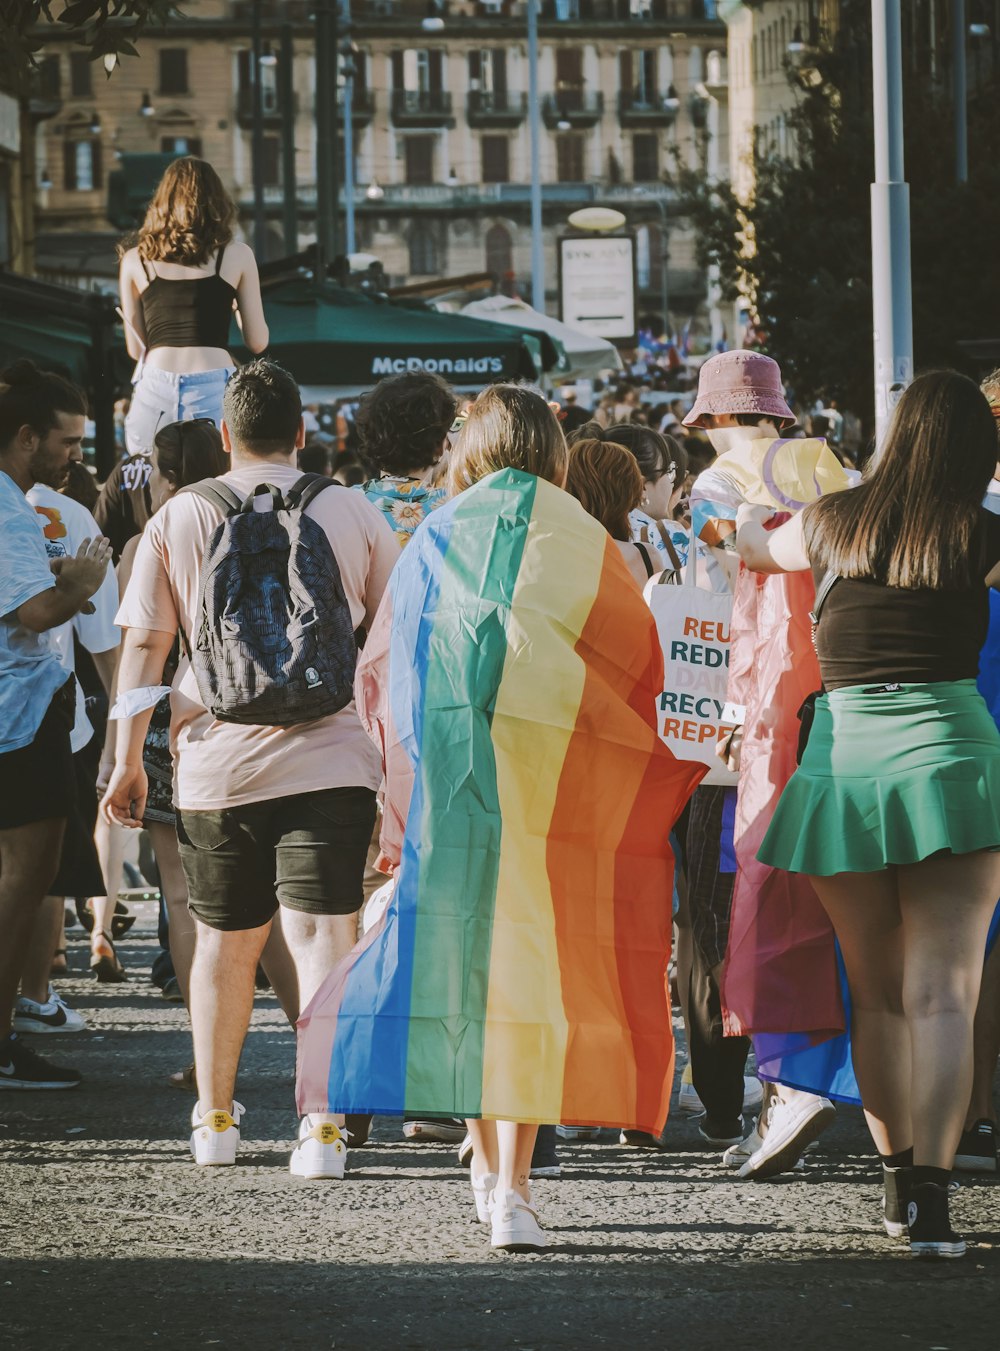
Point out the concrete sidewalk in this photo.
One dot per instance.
(110, 1238)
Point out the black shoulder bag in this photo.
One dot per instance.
(807, 712)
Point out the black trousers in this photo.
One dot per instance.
(717, 1061)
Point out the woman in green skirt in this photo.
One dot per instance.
(894, 812)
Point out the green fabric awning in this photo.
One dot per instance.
(131, 186)
(335, 338)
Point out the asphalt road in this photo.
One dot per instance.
(110, 1238)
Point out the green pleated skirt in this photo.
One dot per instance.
(890, 778)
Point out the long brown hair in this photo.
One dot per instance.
(189, 451)
(509, 427)
(606, 480)
(190, 217)
(911, 523)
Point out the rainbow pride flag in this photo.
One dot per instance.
(519, 971)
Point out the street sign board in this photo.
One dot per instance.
(597, 284)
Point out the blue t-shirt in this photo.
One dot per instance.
(30, 669)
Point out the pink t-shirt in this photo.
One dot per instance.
(225, 764)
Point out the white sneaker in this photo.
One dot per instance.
(690, 1104)
(482, 1188)
(514, 1224)
(792, 1124)
(54, 1015)
(215, 1135)
(321, 1151)
(578, 1132)
(737, 1155)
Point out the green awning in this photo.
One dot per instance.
(131, 186)
(335, 338)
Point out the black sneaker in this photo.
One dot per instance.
(895, 1199)
(445, 1130)
(642, 1140)
(544, 1159)
(24, 1069)
(977, 1149)
(931, 1234)
(722, 1134)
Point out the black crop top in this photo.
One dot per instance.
(187, 312)
(870, 634)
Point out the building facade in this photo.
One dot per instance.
(441, 130)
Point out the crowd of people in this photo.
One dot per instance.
(396, 746)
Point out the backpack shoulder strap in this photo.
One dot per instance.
(219, 494)
(822, 592)
(307, 489)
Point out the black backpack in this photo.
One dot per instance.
(274, 641)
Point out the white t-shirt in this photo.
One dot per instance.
(65, 524)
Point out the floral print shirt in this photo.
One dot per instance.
(405, 502)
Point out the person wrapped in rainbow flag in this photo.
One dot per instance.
(519, 973)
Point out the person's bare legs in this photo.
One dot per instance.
(173, 887)
(110, 842)
(315, 943)
(515, 1144)
(279, 967)
(985, 1044)
(865, 913)
(29, 859)
(947, 904)
(45, 935)
(485, 1150)
(221, 1002)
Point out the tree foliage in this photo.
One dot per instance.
(809, 273)
(107, 28)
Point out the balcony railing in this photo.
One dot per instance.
(496, 108)
(572, 108)
(270, 106)
(438, 196)
(626, 11)
(421, 108)
(639, 109)
(362, 105)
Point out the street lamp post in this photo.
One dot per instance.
(891, 295)
(257, 140)
(537, 249)
(288, 176)
(959, 75)
(327, 158)
(350, 234)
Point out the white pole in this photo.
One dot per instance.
(534, 121)
(891, 295)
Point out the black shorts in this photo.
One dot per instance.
(79, 867)
(38, 782)
(306, 852)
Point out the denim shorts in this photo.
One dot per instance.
(306, 852)
(161, 397)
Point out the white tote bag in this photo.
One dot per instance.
(694, 627)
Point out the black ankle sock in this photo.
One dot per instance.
(939, 1176)
(904, 1159)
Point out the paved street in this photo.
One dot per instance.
(111, 1238)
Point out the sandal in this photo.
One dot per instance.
(184, 1080)
(106, 967)
(60, 966)
(121, 922)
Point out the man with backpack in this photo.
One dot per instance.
(269, 578)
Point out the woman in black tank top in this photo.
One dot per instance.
(894, 812)
(181, 282)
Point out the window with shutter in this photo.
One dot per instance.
(569, 159)
(496, 159)
(174, 70)
(50, 78)
(419, 160)
(425, 259)
(625, 74)
(69, 165)
(499, 252)
(84, 155)
(645, 157)
(435, 70)
(270, 164)
(80, 68)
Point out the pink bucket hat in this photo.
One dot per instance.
(740, 382)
